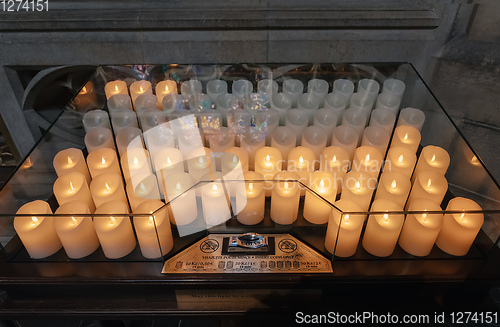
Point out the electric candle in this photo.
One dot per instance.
(129, 138)
(297, 120)
(95, 118)
(172, 102)
(376, 137)
(318, 87)
(412, 117)
(159, 138)
(242, 88)
(384, 118)
(76, 233)
(432, 158)
(199, 102)
(103, 161)
(283, 139)
(220, 142)
(182, 207)
(317, 210)
(355, 119)
(281, 102)
(428, 185)
(145, 190)
(267, 86)
(344, 230)
(225, 104)
(215, 88)
(460, 229)
(335, 159)
(285, 198)
(135, 162)
(326, 119)
(310, 103)
(115, 230)
(163, 88)
(344, 87)
(337, 103)
(400, 159)
(388, 102)
(107, 187)
(151, 119)
(382, 230)
(268, 163)
(86, 99)
(154, 232)
(98, 138)
(266, 121)
(368, 86)
(406, 136)
(301, 160)
(362, 103)
(215, 204)
(256, 102)
(139, 88)
(251, 142)
(36, 231)
(69, 161)
(250, 199)
(119, 102)
(114, 88)
(233, 160)
(190, 87)
(420, 230)
(358, 187)
(367, 159)
(345, 137)
(294, 89)
(199, 163)
(169, 160)
(394, 186)
(73, 187)
(210, 122)
(314, 138)
(394, 86)
(122, 119)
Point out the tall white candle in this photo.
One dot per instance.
(182, 207)
(103, 161)
(358, 187)
(159, 138)
(146, 189)
(346, 137)
(107, 187)
(163, 88)
(73, 187)
(139, 88)
(297, 120)
(362, 103)
(99, 137)
(432, 158)
(242, 88)
(151, 119)
(267, 86)
(267, 121)
(215, 204)
(283, 139)
(376, 137)
(114, 88)
(412, 117)
(69, 161)
(220, 142)
(368, 86)
(400, 159)
(233, 158)
(393, 186)
(428, 185)
(367, 159)
(250, 198)
(96, 118)
(406, 136)
(285, 198)
(199, 102)
(314, 138)
(172, 102)
(225, 103)
(268, 162)
(317, 210)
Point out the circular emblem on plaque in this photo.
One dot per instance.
(209, 246)
(287, 245)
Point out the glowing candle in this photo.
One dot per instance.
(114, 230)
(393, 186)
(86, 99)
(345, 137)
(407, 137)
(314, 138)
(103, 161)
(234, 157)
(429, 185)
(77, 233)
(251, 142)
(146, 189)
(73, 187)
(283, 139)
(182, 207)
(344, 230)
(358, 187)
(115, 87)
(107, 187)
(376, 137)
(367, 159)
(317, 210)
(297, 120)
(400, 159)
(301, 160)
(135, 162)
(335, 159)
(129, 138)
(169, 161)
(163, 88)
(96, 118)
(285, 198)
(250, 199)
(69, 161)
(432, 158)
(139, 88)
(412, 117)
(98, 138)
(382, 230)
(199, 163)
(460, 229)
(36, 229)
(154, 232)
(420, 230)
(268, 163)
(215, 203)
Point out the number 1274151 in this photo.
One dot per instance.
(25, 5)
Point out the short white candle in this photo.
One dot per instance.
(198, 164)
(285, 198)
(267, 121)
(163, 88)
(318, 87)
(432, 158)
(135, 162)
(103, 161)
(234, 159)
(317, 210)
(267, 86)
(250, 198)
(251, 142)
(358, 187)
(98, 138)
(335, 159)
(362, 103)
(420, 230)
(384, 118)
(182, 207)
(412, 117)
(294, 89)
(297, 120)
(368, 86)
(406, 136)
(190, 87)
(114, 230)
(119, 102)
(382, 230)
(73, 187)
(283, 139)
(122, 119)
(367, 159)
(145, 190)
(400, 159)
(394, 186)
(215, 204)
(114, 88)
(376, 137)
(225, 103)
(460, 229)
(344, 230)
(151, 119)
(76, 233)
(428, 185)
(337, 103)
(159, 138)
(107, 187)
(242, 88)
(168, 161)
(327, 120)
(96, 118)
(388, 102)
(302, 160)
(215, 88)
(139, 88)
(310, 103)
(200, 102)
(69, 161)
(355, 119)
(129, 138)
(314, 138)
(344, 87)
(281, 102)
(36, 231)
(268, 162)
(346, 138)
(154, 233)
(394, 86)
(172, 102)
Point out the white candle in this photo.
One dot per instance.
(318, 87)
(103, 161)
(420, 230)
(335, 159)
(210, 122)
(169, 160)
(182, 206)
(314, 138)
(344, 230)
(376, 137)
(163, 88)
(73, 187)
(135, 162)
(96, 118)
(172, 102)
(394, 86)
(233, 160)
(428, 185)
(267, 86)
(367, 159)
(358, 187)
(283, 139)
(251, 142)
(145, 190)
(344, 87)
(190, 87)
(281, 102)
(326, 119)
(76, 233)
(107, 187)
(297, 120)
(285, 198)
(154, 232)
(406, 136)
(310, 103)
(345, 137)
(114, 230)
(119, 102)
(382, 230)
(355, 119)
(159, 138)
(460, 229)
(215, 88)
(294, 89)
(114, 88)
(198, 164)
(225, 103)
(432, 158)
(151, 119)
(69, 161)
(337, 103)
(268, 162)
(362, 103)
(394, 186)
(215, 204)
(242, 88)
(200, 102)
(36, 230)
(250, 198)
(388, 102)
(267, 121)
(384, 118)
(317, 210)
(129, 138)
(139, 88)
(301, 160)
(122, 119)
(146, 102)
(221, 142)
(368, 86)
(98, 138)
(400, 159)
(412, 117)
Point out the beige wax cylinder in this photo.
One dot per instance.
(460, 229)
(198, 163)
(345, 137)
(428, 185)
(393, 186)
(234, 157)
(182, 207)
(250, 199)
(98, 138)
(154, 232)
(71, 160)
(251, 143)
(314, 138)
(344, 230)
(163, 88)
(73, 187)
(169, 160)
(432, 158)
(382, 230)
(103, 161)
(268, 162)
(367, 159)
(317, 210)
(335, 159)
(135, 162)
(114, 88)
(358, 187)
(285, 198)
(400, 159)
(139, 88)
(107, 187)
(215, 204)
(301, 160)
(145, 190)
(284, 139)
(114, 230)
(76, 233)
(36, 231)
(407, 137)
(420, 230)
